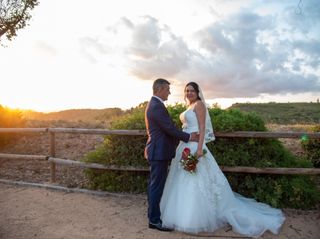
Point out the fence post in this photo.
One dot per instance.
(52, 154)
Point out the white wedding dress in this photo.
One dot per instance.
(205, 202)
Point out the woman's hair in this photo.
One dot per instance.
(195, 87)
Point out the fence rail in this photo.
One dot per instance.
(238, 134)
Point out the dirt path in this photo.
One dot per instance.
(27, 212)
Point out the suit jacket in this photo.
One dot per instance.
(162, 132)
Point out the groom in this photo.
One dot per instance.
(160, 148)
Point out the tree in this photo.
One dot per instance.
(14, 15)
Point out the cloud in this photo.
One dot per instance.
(246, 56)
(170, 58)
(302, 18)
(248, 53)
(45, 49)
(154, 51)
(92, 48)
(145, 38)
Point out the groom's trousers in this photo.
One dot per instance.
(157, 180)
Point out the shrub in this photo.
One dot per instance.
(279, 191)
(121, 151)
(312, 147)
(9, 118)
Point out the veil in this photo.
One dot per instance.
(208, 134)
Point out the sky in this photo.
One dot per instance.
(99, 54)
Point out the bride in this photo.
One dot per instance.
(204, 201)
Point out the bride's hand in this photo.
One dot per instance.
(199, 153)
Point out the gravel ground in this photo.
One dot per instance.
(27, 213)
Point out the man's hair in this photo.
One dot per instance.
(158, 84)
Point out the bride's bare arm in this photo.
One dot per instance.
(200, 110)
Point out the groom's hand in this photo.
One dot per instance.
(194, 137)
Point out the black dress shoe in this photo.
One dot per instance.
(159, 227)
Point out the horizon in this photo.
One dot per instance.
(171, 104)
(237, 51)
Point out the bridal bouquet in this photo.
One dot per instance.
(189, 161)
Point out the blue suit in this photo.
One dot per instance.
(163, 136)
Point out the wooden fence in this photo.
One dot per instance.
(239, 134)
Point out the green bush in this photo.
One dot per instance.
(312, 147)
(279, 191)
(121, 151)
(10, 118)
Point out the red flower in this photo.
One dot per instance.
(187, 150)
(189, 161)
(185, 153)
